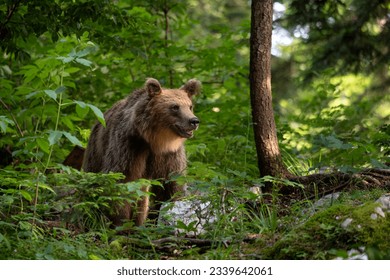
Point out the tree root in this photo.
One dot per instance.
(317, 185)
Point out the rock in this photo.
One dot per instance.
(384, 205)
(380, 212)
(326, 200)
(384, 202)
(194, 214)
(323, 202)
(346, 223)
(356, 254)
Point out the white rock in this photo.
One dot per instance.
(255, 189)
(356, 255)
(374, 216)
(380, 212)
(384, 201)
(188, 211)
(346, 223)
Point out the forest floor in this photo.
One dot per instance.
(321, 216)
(338, 215)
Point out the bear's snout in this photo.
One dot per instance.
(194, 122)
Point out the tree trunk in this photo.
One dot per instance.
(268, 154)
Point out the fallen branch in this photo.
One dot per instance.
(183, 240)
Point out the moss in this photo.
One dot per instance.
(373, 233)
(322, 234)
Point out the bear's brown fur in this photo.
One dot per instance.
(143, 138)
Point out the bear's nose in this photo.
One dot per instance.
(194, 122)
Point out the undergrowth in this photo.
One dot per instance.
(73, 208)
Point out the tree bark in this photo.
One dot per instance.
(268, 153)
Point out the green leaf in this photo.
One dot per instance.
(4, 122)
(95, 110)
(66, 59)
(94, 257)
(80, 103)
(51, 93)
(60, 89)
(4, 240)
(3, 126)
(43, 144)
(377, 164)
(82, 111)
(72, 139)
(67, 120)
(23, 90)
(54, 137)
(332, 142)
(45, 187)
(30, 74)
(85, 51)
(32, 94)
(84, 62)
(98, 114)
(71, 70)
(26, 195)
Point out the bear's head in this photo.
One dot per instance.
(170, 114)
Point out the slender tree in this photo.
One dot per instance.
(268, 153)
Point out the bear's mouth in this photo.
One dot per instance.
(184, 132)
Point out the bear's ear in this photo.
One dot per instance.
(192, 87)
(153, 87)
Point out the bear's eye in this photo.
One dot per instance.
(175, 108)
(191, 108)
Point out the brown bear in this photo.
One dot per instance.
(144, 138)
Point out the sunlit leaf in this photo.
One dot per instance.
(3, 126)
(45, 187)
(85, 51)
(80, 103)
(51, 93)
(4, 122)
(43, 144)
(66, 59)
(32, 94)
(54, 137)
(72, 139)
(71, 70)
(27, 196)
(84, 62)
(98, 114)
(82, 111)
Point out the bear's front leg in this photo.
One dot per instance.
(142, 208)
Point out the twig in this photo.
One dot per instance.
(10, 11)
(13, 117)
